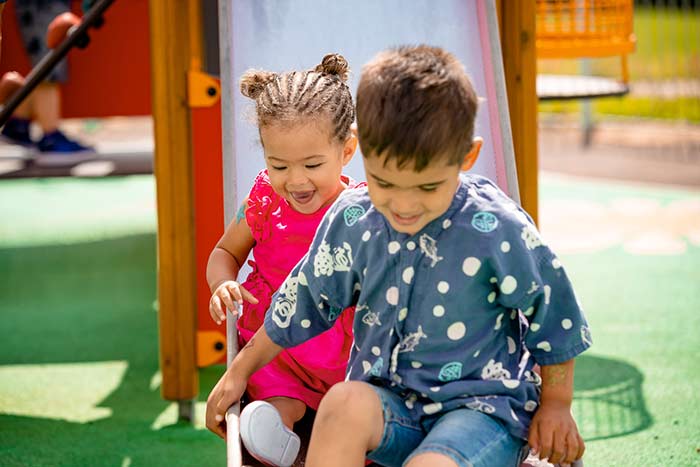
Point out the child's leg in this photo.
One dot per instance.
(465, 437)
(291, 410)
(266, 430)
(349, 423)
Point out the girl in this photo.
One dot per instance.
(304, 120)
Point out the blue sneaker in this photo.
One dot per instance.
(16, 131)
(56, 149)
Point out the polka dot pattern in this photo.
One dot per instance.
(430, 409)
(499, 320)
(403, 312)
(407, 275)
(508, 285)
(456, 331)
(471, 266)
(392, 295)
(544, 345)
(511, 345)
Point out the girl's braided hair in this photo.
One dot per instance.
(287, 97)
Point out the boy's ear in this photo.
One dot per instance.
(473, 154)
(350, 147)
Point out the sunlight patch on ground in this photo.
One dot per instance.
(641, 226)
(169, 416)
(156, 380)
(60, 391)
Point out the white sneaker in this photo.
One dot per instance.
(265, 436)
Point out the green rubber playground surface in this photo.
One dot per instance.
(79, 378)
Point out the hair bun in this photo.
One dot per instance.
(334, 64)
(253, 82)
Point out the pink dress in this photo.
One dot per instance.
(282, 236)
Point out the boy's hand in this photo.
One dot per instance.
(554, 435)
(227, 392)
(227, 295)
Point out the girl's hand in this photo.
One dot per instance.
(229, 294)
(228, 391)
(554, 435)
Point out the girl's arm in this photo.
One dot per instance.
(225, 261)
(228, 390)
(553, 432)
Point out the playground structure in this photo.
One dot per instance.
(583, 29)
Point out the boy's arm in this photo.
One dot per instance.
(228, 390)
(553, 432)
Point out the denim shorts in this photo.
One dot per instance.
(469, 437)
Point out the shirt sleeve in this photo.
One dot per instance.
(532, 279)
(319, 287)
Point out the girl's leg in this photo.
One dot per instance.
(291, 410)
(266, 429)
(349, 423)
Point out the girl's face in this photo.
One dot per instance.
(305, 163)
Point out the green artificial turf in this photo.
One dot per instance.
(79, 380)
(637, 400)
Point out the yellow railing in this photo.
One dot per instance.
(585, 28)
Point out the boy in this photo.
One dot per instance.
(457, 297)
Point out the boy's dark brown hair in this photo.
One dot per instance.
(285, 98)
(416, 104)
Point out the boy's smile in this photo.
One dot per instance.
(410, 200)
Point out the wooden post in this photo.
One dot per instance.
(170, 62)
(517, 25)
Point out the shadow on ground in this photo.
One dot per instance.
(608, 398)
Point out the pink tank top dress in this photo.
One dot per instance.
(282, 236)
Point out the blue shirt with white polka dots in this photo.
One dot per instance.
(455, 315)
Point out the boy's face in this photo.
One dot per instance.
(408, 199)
(304, 164)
